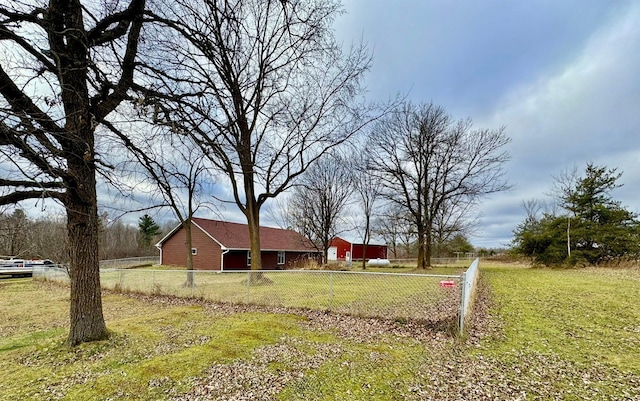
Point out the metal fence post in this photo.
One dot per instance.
(463, 295)
(248, 286)
(330, 289)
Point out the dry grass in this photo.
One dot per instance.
(537, 335)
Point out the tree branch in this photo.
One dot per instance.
(18, 196)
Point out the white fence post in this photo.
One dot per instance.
(463, 295)
(468, 282)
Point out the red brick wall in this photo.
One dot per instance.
(237, 260)
(209, 252)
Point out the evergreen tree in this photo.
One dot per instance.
(596, 228)
(148, 230)
(601, 228)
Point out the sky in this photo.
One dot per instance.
(563, 78)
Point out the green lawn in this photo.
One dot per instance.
(547, 335)
(587, 316)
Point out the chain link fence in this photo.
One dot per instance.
(437, 300)
(125, 263)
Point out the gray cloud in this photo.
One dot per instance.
(561, 76)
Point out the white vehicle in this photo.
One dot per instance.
(21, 267)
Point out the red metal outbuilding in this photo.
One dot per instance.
(341, 249)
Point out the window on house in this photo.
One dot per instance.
(248, 258)
(194, 251)
(281, 257)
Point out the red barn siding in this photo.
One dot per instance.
(373, 251)
(207, 258)
(343, 246)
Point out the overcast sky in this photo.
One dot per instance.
(563, 77)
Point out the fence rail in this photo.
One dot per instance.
(129, 262)
(439, 300)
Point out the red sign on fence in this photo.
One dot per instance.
(447, 283)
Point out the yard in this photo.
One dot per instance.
(371, 294)
(538, 334)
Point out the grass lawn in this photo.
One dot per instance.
(375, 294)
(540, 335)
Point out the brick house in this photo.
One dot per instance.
(340, 248)
(220, 245)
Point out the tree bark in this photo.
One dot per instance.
(253, 220)
(427, 248)
(86, 318)
(365, 242)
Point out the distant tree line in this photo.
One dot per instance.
(44, 237)
(584, 225)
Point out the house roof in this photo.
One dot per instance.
(235, 236)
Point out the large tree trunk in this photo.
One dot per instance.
(86, 319)
(365, 241)
(421, 264)
(252, 210)
(364, 255)
(253, 220)
(422, 261)
(427, 248)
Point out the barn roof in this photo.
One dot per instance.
(235, 236)
(356, 241)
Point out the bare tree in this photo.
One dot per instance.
(368, 189)
(395, 227)
(49, 238)
(117, 239)
(14, 232)
(273, 91)
(428, 162)
(454, 219)
(175, 169)
(318, 200)
(533, 208)
(66, 66)
(563, 185)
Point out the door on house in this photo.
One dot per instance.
(332, 253)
